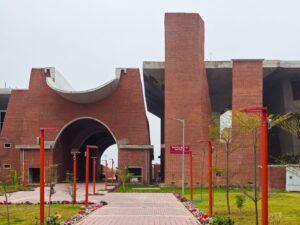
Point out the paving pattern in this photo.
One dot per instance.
(122, 208)
(60, 194)
(140, 209)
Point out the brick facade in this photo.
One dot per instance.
(123, 112)
(186, 93)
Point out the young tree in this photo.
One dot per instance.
(52, 181)
(234, 126)
(239, 201)
(251, 123)
(4, 185)
(125, 176)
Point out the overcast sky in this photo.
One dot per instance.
(87, 39)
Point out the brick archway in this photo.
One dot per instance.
(75, 135)
(118, 105)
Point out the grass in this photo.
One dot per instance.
(14, 188)
(283, 206)
(27, 214)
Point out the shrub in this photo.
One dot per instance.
(218, 220)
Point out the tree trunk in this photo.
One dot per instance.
(6, 203)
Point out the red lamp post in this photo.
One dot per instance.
(264, 159)
(94, 175)
(87, 158)
(74, 153)
(209, 176)
(42, 171)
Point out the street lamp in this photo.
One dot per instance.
(264, 159)
(183, 124)
(42, 171)
(87, 158)
(209, 175)
(74, 153)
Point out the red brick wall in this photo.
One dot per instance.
(277, 177)
(186, 92)
(247, 90)
(123, 112)
(136, 158)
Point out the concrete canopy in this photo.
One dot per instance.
(219, 75)
(58, 83)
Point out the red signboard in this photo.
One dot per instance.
(177, 149)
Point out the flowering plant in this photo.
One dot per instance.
(82, 213)
(199, 215)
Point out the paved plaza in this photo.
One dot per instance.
(140, 209)
(61, 194)
(122, 208)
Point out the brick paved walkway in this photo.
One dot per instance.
(140, 209)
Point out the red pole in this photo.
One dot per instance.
(264, 160)
(42, 172)
(105, 175)
(112, 172)
(24, 181)
(87, 156)
(42, 194)
(191, 176)
(210, 178)
(264, 164)
(74, 175)
(94, 175)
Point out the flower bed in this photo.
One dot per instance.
(82, 213)
(52, 202)
(199, 215)
(203, 218)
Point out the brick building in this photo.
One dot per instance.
(184, 87)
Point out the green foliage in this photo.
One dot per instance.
(52, 179)
(69, 185)
(218, 220)
(52, 220)
(290, 122)
(239, 201)
(275, 219)
(125, 176)
(15, 179)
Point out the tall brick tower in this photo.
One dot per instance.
(186, 94)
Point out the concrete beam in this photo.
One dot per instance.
(149, 147)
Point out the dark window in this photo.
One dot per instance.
(34, 175)
(218, 173)
(137, 172)
(296, 89)
(7, 145)
(6, 166)
(2, 116)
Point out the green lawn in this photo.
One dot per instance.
(26, 214)
(282, 205)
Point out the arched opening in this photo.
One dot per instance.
(109, 158)
(75, 137)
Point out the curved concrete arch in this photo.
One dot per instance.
(60, 85)
(82, 118)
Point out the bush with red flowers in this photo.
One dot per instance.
(203, 218)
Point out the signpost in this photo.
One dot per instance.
(177, 149)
